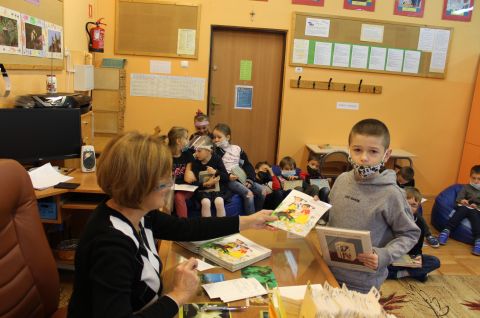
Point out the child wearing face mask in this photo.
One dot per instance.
(207, 160)
(264, 175)
(367, 198)
(289, 172)
(468, 206)
(181, 167)
(233, 156)
(202, 125)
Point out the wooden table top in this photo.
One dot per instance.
(87, 180)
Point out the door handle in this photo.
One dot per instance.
(213, 102)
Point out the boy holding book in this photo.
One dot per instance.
(427, 263)
(368, 198)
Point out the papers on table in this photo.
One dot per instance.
(235, 289)
(203, 266)
(185, 187)
(46, 176)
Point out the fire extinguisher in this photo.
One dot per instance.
(96, 36)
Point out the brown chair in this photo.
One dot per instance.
(333, 164)
(29, 280)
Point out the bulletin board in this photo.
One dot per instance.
(46, 10)
(398, 38)
(145, 27)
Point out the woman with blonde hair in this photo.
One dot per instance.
(117, 267)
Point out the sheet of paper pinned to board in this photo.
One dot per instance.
(323, 53)
(372, 33)
(300, 51)
(439, 51)
(378, 56)
(186, 41)
(341, 55)
(394, 60)
(317, 27)
(359, 56)
(181, 87)
(411, 61)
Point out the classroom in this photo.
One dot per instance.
(288, 79)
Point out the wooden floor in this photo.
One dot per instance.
(455, 257)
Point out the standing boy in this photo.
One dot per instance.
(368, 198)
(468, 206)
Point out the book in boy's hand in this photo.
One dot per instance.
(204, 176)
(340, 247)
(298, 213)
(292, 184)
(240, 173)
(412, 261)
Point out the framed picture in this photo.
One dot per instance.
(457, 10)
(318, 3)
(410, 8)
(363, 5)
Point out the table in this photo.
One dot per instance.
(397, 154)
(294, 261)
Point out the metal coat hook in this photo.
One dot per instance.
(344, 87)
(329, 83)
(313, 85)
(298, 81)
(374, 88)
(360, 85)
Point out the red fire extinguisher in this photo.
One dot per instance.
(96, 36)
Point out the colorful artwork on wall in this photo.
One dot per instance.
(318, 3)
(457, 10)
(410, 8)
(363, 5)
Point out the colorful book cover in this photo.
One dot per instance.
(264, 274)
(298, 213)
(211, 278)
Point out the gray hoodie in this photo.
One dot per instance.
(377, 205)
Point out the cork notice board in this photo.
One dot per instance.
(316, 39)
(47, 10)
(145, 27)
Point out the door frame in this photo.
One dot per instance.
(214, 28)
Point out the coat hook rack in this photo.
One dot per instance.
(334, 86)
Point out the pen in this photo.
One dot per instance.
(223, 308)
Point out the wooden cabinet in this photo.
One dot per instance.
(471, 148)
(108, 103)
(87, 128)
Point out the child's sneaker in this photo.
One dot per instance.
(443, 237)
(476, 248)
(432, 241)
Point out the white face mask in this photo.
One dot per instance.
(288, 173)
(365, 171)
(222, 144)
(476, 186)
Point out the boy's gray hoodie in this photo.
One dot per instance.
(377, 205)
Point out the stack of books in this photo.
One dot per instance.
(292, 298)
(231, 252)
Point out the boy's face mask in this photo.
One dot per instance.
(288, 173)
(264, 177)
(365, 171)
(475, 185)
(313, 173)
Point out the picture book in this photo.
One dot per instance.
(240, 173)
(231, 252)
(320, 183)
(412, 261)
(204, 176)
(264, 274)
(291, 184)
(196, 310)
(298, 213)
(211, 278)
(340, 247)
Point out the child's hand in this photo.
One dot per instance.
(211, 170)
(316, 198)
(269, 170)
(464, 202)
(292, 178)
(232, 177)
(370, 260)
(473, 205)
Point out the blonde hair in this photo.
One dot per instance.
(132, 165)
(174, 134)
(412, 192)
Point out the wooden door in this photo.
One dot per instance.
(255, 129)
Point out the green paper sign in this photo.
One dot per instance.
(245, 70)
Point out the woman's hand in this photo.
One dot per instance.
(257, 220)
(369, 259)
(185, 282)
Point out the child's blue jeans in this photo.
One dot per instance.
(251, 204)
(429, 264)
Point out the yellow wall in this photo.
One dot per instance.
(427, 117)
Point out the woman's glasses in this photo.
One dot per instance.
(163, 186)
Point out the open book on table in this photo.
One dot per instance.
(231, 252)
(340, 247)
(298, 213)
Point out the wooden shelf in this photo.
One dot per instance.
(79, 206)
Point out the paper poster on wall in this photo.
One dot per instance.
(425, 39)
(372, 33)
(458, 10)
(439, 51)
(378, 56)
(362, 5)
(410, 8)
(341, 55)
(34, 34)
(163, 67)
(323, 53)
(411, 61)
(317, 27)
(394, 60)
(243, 97)
(186, 41)
(37, 2)
(166, 86)
(54, 40)
(359, 57)
(245, 70)
(11, 36)
(300, 51)
(318, 3)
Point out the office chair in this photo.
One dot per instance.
(29, 280)
(333, 164)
